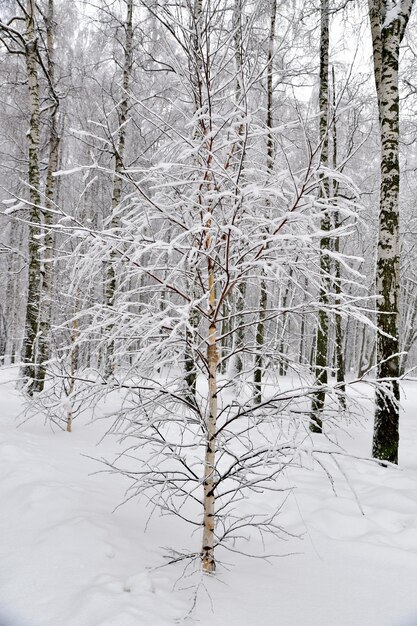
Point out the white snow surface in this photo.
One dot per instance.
(69, 559)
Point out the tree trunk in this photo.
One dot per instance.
(48, 266)
(263, 295)
(29, 349)
(196, 72)
(225, 332)
(207, 550)
(239, 330)
(323, 321)
(190, 365)
(260, 340)
(339, 355)
(110, 288)
(73, 368)
(283, 360)
(388, 28)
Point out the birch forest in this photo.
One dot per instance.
(208, 312)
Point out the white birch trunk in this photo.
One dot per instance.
(388, 26)
(29, 350)
(196, 79)
(207, 551)
(48, 265)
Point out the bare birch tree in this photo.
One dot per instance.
(50, 198)
(388, 25)
(29, 353)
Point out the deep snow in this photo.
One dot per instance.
(68, 559)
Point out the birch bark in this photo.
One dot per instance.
(196, 79)
(388, 24)
(207, 550)
(48, 266)
(29, 349)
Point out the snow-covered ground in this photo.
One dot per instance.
(68, 559)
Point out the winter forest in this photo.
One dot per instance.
(208, 312)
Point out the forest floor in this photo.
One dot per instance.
(68, 558)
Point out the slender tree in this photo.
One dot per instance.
(338, 330)
(119, 153)
(263, 295)
(195, 66)
(53, 157)
(388, 25)
(29, 352)
(321, 373)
